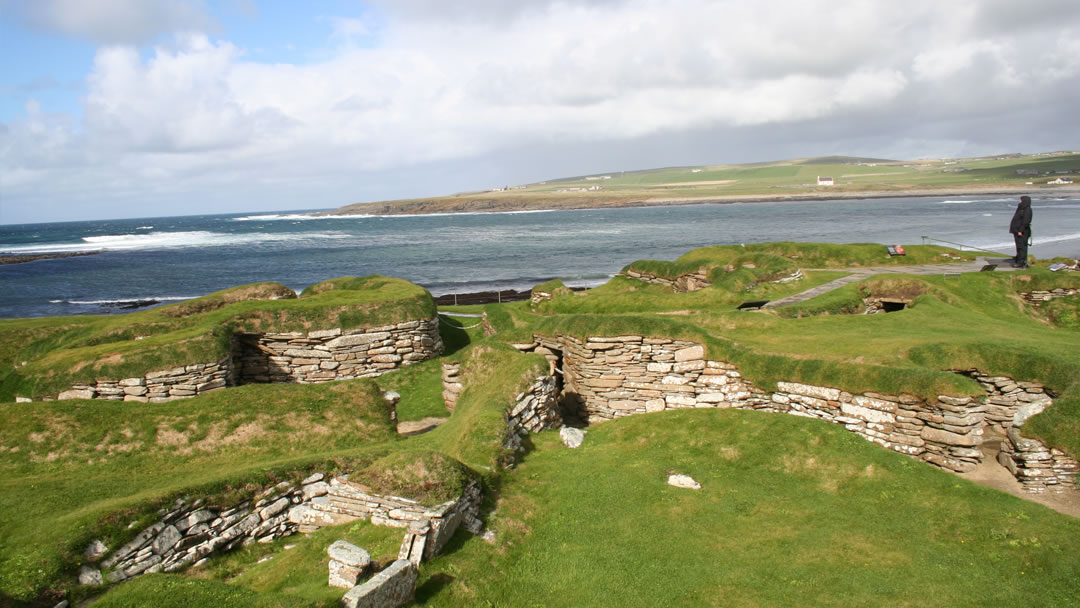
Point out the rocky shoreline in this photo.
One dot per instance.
(21, 259)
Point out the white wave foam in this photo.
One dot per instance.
(126, 300)
(289, 216)
(1039, 240)
(170, 240)
(978, 200)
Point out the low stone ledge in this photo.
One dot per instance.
(392, 587)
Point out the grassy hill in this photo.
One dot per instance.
(792, 511)
(781, 180)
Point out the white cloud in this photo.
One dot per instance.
(116, 21)
(198, 113)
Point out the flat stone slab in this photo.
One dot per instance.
(683, 481)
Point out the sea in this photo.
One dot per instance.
(167, 259)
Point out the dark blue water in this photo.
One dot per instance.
(183, 257)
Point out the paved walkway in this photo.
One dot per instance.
(858, 274)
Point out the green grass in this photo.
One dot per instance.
(72, 470)
(792, 512)
(44, 357)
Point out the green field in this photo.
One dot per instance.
(792, 511)
(792, 179)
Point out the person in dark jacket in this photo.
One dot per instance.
(1020, 227)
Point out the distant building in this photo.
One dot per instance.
(596, 177)
(824, 181)
(1027, 171)
(1061, 180)
(696, 170)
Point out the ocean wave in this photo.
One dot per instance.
(169, 240)
(123, 300)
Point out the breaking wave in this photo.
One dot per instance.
(169, 240)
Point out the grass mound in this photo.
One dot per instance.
(42, 357)
(427, 476)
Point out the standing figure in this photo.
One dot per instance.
(1020, 227)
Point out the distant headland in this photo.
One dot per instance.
(823, 178)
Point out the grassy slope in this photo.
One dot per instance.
(793, 178)
(792, 512)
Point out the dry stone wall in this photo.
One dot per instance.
(611, 377)
(692, 281)
(189, 532)
(535, 410)
(322, 356)
(1038, 297)
(316, 356)
(392, 587)
(160, 386)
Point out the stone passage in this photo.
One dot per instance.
(1009, 405)
(609, 377)
(322, 356)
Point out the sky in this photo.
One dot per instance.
(145, 108)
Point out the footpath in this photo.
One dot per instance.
(858, 274)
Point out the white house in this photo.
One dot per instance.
(824, 181)
(1061, 180)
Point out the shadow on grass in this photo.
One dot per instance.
(454, 335)
(432, 586)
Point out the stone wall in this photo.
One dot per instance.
(392, 587)
(535, 410)
(160, 386)
(316, 356)
(452, 386)
(611, 377)
(692, 281)
(1038, 297)
(882, 305)
(189, 532)
(322, 356)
